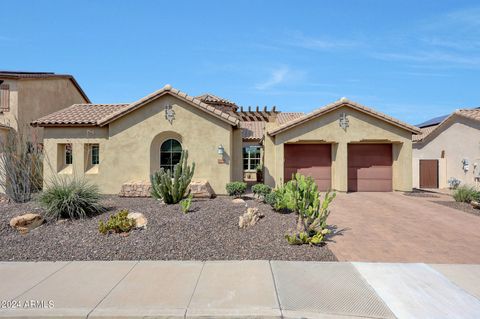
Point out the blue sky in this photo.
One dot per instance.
(410, 59)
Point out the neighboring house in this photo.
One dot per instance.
(343, 146)
(448, 147)
(26, 96)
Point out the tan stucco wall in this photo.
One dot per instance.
(362, 128)
(129, 148)
(37, 98)
(459, 138)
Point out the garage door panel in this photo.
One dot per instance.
(375, 172)
(373, 185)
(312, 160)
(370, 167)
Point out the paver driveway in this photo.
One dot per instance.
(393, 227)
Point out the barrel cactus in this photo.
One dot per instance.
(170, 186)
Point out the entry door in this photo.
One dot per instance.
(428, 173)
(370, 167)
(314, 160)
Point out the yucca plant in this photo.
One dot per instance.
(71, 198)
(170, 186)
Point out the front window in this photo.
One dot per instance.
(68, 154)
(170, 153)
(251, 158)
(95, 154)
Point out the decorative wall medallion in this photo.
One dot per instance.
(169, 113)
(343, 121)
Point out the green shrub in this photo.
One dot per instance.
(276, 199)
(302, 197)
(170, 186)
(71, 199)
(186, 203)
(261, 190)
(117, 223)
(236, 189)
(466, 194)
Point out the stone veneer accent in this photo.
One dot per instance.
(136, 189)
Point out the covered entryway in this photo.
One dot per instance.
(370, 167)
(313, 160)
(428, 174)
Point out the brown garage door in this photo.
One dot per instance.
(313, 160)
(428, 173)
(370, 167)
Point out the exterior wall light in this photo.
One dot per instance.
(220, 152)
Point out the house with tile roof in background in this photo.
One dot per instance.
(344, 146)
(26, 96)
(448, 148)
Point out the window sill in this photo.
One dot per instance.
(66, 170)
(92, 170)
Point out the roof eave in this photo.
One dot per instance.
(330, 108)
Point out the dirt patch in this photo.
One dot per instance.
(209, 232)
(464, 207)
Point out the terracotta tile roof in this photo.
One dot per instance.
(473, 114)
(106, 113)
(218, 102)
(284, 117)
(167, 89)
(252, 130)
(79, 114)
(338, 104)
(424, 132)
(42, 75)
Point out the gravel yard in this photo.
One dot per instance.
(464, 207)
(209, 232)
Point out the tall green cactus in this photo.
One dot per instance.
(172, 187)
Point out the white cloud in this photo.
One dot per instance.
(298, 39)
(277, 76)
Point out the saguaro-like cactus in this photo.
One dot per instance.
(172, 186)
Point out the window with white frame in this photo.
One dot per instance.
(251, 157)
(170, 154)
(94, 154)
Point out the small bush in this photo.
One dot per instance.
(236, 189)
(453, 182)
(71, 199)
(276, 199)
(466, 194)
(117, 223)
(261, 190)
(186, 204)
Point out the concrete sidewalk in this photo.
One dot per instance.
(253, 289)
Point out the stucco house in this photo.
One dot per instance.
(344, 146)
(26, 96)
(448, 147)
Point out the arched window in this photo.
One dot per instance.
(170, 153)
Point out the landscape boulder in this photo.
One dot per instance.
(238, 201)
(26, 222)
(250, 218)
(140, 219)
(201, 189)
(475, 204)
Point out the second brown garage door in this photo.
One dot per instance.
(369, 167)
(313, 160)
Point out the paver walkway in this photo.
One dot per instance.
(237, 289)
(392, 227)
